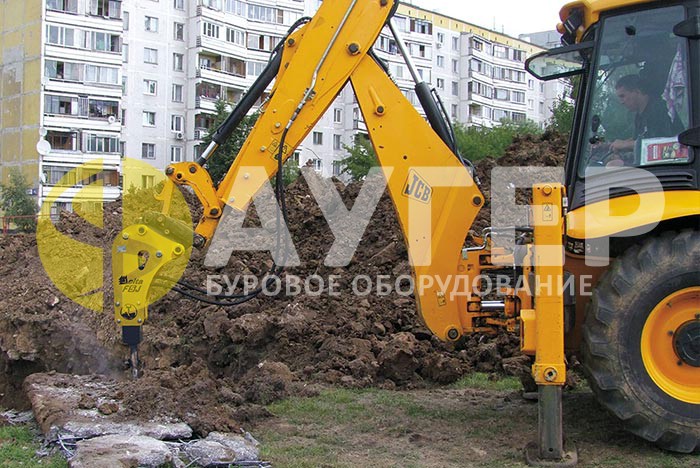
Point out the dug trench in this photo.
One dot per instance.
(214, 368)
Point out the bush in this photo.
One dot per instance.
(475, 143)
(361, 158)
(16, 201)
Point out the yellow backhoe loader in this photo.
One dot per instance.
(627, 215)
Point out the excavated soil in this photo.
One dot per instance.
(211, 366)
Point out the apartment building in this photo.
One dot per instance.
(478, 73)
(181, 57)
(100, 79)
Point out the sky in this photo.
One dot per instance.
(514, 16)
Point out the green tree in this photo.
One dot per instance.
(475, 143)
(16, 201)
(219, 164)
(562, 119)
(361, 158)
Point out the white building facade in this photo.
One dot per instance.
(140, 79)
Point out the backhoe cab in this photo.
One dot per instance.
(632, 179)
(630, 196)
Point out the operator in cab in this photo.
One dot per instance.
(651, 117)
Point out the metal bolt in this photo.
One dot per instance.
(291, 42)
(170, 170)
(384, 2)
(139, 320)
(119, 320)
(547, 190)
(232, 199)
(159, 254)
(193, 169)
(453, 333)
(198, 241)
(380, 110)
(214, 211)
(550, 374)
(246, 176)
(354, 48)
(278, 125)
(117, 304)
(680, 363)
(125, 236)
(263, 148)
(476, 201)
(669, 333)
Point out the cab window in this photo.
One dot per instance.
(639, 100)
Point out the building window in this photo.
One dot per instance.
(530, 84)
(337, 168)
(179, 31)
(518, 96)
(455, 43)
(262, 42)
(179, 4)
(265, 14)
(337, 115)
(178, 61)
(63, 70)
(318, 165)
(60, 105)
(62, 141)
(150, 55)
(235, 36)
(177, 93)
(99, 109)
(66, 6)
(318, 138)
(126, 21)
(455, 88)
(149, 119)
(102, 75)
(106, 8)
(148, 151)
(441, 61)
(125, 53)
(501, 94)
(421, 26)
(337, 144)
(176, 154)
(255, 68)
(177, 123)
(102, 144)
(150, 87)
(441, 38)
(454, 111)
(440, 83)
(151, 24)
(455, 66)
(211, 30)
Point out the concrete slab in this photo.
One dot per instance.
(84, 406)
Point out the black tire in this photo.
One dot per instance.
(612, 359)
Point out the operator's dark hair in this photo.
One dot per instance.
(632, 83)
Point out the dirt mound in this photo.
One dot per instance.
(203, 362)
(548, 149)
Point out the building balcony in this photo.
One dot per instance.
(359, 125)
(76, 157)
(206, 103)
(107, 124)
(80, 193)
(229, 78)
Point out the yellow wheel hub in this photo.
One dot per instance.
(668, 337)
